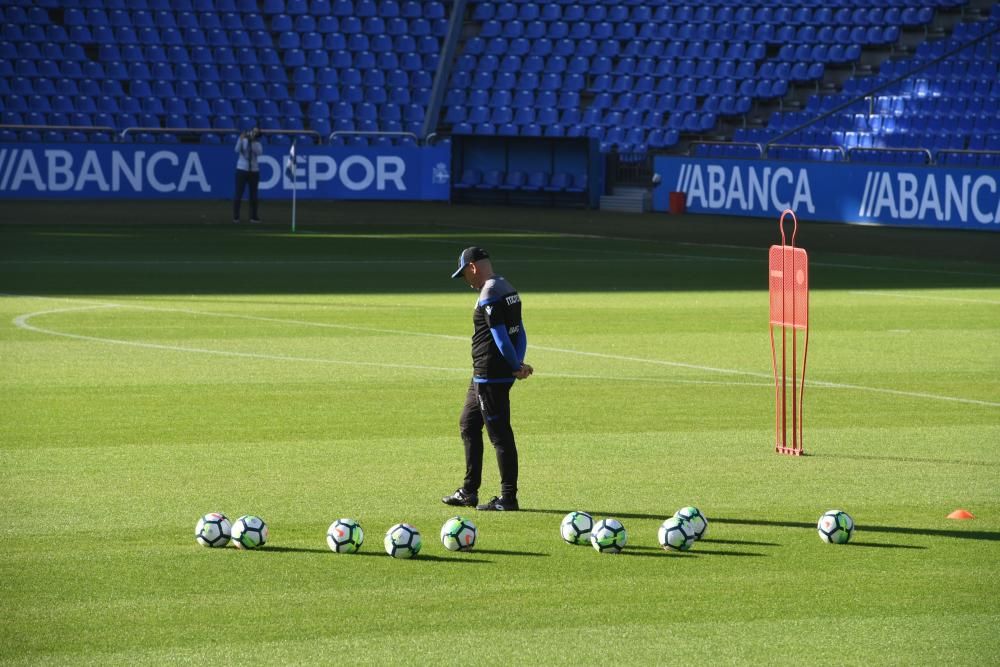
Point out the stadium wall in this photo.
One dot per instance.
(158, 171)
(904, 196)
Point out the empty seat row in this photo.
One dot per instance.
(644, 13)
(538, 181)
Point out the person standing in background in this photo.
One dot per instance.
(249, 150)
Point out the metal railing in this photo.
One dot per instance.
(753, 144)
(840, 149)
(62, 128)
(208, 130)
(370, 133)
(966, 151)
(885, 149)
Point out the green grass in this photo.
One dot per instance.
(150, 374)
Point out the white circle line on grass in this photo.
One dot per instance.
(21, 322)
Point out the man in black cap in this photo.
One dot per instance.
(498, 346)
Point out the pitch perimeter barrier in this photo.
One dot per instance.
(903, 196)
(165, 171)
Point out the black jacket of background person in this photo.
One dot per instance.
(499, 340)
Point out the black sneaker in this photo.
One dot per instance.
(461, 499)
(500, 505)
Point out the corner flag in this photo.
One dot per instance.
(290, 163)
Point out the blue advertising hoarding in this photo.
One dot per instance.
(162, 171)
(904, 196)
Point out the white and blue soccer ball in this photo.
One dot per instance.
(699, 524)
(835, 527)
(213, 530)
(576, 527)
(249, 532)
(609, 536)
(458, 534)
(675, 534)
(403, 541)
(345, 536)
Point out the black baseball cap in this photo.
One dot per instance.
(468, 256)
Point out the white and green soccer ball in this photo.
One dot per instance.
(403, 541)
(345, 536)
(675, 534)
(608, 536)
(699, 524)
(835, 527)
(249, 532)
(458, 534)
(576, 526)
(213, 530)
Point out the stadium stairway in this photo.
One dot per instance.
(627, 200)
(938, 105)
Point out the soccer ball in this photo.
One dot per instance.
(249, 532)
(576, 526)
(699, 524)
(608, 536)
(676, 534)
(403, 541)
(656, 179)
(458, 534)
(213, 530)
(345, 536)
(835, 527)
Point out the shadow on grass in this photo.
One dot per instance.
(598, 514)
(986, 535)
(422, 556)
(282, 550)
(380, 554)
(173, 252)
(695, 551)
(710, 552)
(506, 552)
(640, 550)
(990, 536)
(709, 540)
(451, 559)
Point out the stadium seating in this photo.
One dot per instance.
(635, 76)
(676, 66)
(939, 106)
(229, 60)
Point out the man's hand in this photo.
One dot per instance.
(523, 372)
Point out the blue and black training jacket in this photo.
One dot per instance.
(499, 341)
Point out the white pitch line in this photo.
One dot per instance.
(928, 297)
(21, 322)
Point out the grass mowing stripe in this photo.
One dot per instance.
(22, 322)
(926, 297)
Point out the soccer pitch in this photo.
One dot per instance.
(154, 373)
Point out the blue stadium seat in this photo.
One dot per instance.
(492, 178)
